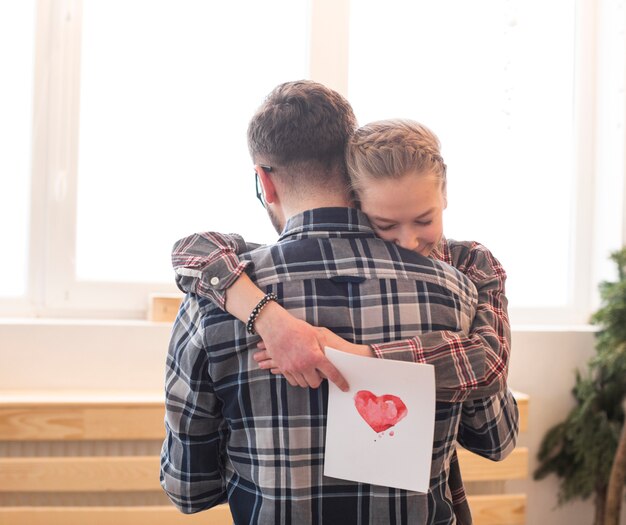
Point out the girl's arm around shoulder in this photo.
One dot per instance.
(207, 264)
(470, 365)
(474, 260)
(491, 325)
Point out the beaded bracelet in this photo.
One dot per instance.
(257, 310)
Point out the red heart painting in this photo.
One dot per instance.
(380, 412)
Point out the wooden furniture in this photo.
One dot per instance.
(46, 417)
(163, 308)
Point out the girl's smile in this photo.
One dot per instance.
(407, 211)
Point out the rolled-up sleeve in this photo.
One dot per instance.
(207, 264)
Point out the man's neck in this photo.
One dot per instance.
(311, 204)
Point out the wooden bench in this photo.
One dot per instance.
(45, 417)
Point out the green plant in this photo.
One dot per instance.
(581, 449)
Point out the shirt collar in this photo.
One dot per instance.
(339, 222)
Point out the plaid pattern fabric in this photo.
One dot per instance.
(191, 261)
(470, 365)
(236, 432)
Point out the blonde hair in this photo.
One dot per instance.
(392, 149)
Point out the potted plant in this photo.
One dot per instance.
(588, 449)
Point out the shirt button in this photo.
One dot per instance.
(214, 281)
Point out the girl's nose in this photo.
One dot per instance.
(408, 241)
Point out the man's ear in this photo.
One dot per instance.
(267, 185)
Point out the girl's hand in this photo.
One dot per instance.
(296, 348)
(339, 343)
(325, 338)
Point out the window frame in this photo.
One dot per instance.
(53, 290)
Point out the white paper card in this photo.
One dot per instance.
(381, 431)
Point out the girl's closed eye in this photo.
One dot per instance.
(424, 223)
(384, 228)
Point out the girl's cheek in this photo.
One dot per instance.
(436, 233)
(430, 235)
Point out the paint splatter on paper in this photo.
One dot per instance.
(359, 445)
(380, 412)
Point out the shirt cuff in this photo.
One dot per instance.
(405, 350)
(213, 281)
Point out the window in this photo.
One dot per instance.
(141, 138)
(510, 95)
(499, 93)
(157, 138)
(163, 118)
(17, 38)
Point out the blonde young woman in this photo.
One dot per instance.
(399, 182)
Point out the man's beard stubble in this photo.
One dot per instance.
(275, 222)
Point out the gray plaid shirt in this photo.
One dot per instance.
(236, 432)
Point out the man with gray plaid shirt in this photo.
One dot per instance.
(239, 434)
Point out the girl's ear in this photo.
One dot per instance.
(267, 185)
(445, 195)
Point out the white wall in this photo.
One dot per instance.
(89, 355)
(105, 355)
